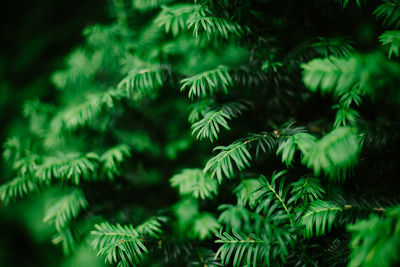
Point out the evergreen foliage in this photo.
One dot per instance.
(375, 240)
(211, 80)
(261, 88)
(194, 182)
(392, 39)
(209, 125)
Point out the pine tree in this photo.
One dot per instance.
(222, 133)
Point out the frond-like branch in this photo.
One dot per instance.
(152, 227)
(71, 167)
(319, 218)
(271, 199)
(18, 187)
(209, 126)
(119, 243)
(338, 47)
(222, 163)
(78, 115)
(66, 209)
(303, 141)
(214, 26)
(143, 82)
(245, 191)
(235, 217)
(208, 82)
(81, 66)
(336, 153)
(205, 226)
(375, 241)
(389, 13)
(308, 190)
(332, 74)
(174, 18)
(112, 159)
(238, 152)
(391, 39)
(345, 116)
(239, 249)
(361, 73)
(195, 182)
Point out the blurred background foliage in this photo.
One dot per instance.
(37, 35)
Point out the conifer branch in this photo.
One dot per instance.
(222, 163)
(238, 152)
(112, 159)
(80, 115)
(205, 226)
(307, 189)
(143, 82)
(72, 167)
(265, 195)
(320, 218)
(208, 82)
(66, 209)
(209, 126)
(174, 18)
(338, 47)
(214, 26)
(119, 243)
(18, 187)
(389, 13)
(248, 249)
(326, 154)
(391, 39)
(124, 245)
(195, 182)
(375, 239)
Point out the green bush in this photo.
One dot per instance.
(223, 133)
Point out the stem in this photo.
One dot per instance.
(282, 203)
